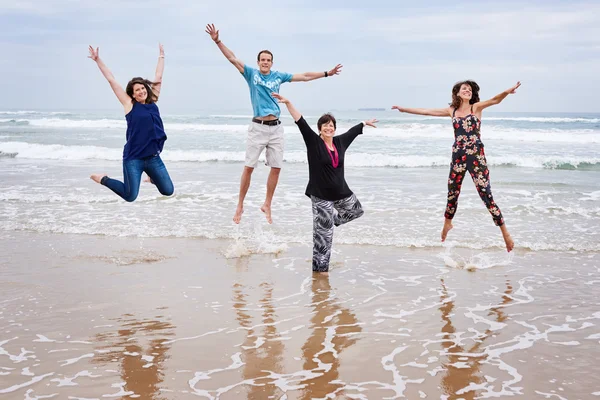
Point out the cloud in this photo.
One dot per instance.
(389, 50)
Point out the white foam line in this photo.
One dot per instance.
(373, 297)
(594, 336)
(303, 290)
(494, 326)
(74, 360)
(259, 342)
(328, 318)
(194, 337)
(472, 387)
(372, 333)
(83, 398)
(328, 347)
(21, 357)
(25, 384)
(236, 363)
(44, 339)
(30, 391)
(549, 395)
(66, 381)
(251, 328)
(403, 313)
(9, 300)
(121, 392)
(399, 381)
(542, 316)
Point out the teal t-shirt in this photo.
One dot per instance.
(261, 86)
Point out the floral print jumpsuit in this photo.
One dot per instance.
(468, 155)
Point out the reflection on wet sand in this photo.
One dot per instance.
(138, 348)
(321, 351)
(262, 352)
(463, 371)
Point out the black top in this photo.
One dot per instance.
(325, 181)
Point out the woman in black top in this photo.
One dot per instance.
(333, 202)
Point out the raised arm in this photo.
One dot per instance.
(293, 112)
(117, 89)
(481, 105)
(311, 76)
(160, 67)
(214, 35)
(347, 138)
(434, 112)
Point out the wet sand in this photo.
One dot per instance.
(94, 317)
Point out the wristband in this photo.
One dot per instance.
(326, 74)
(217, 41)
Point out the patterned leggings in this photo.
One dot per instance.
(326, 214)
(471, 159)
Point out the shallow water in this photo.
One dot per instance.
(101, 317)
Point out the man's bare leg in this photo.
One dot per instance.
(271, 185)
(244, 185)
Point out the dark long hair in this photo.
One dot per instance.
(152, 98)
(456, 101)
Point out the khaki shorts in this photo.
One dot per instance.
(261, 137)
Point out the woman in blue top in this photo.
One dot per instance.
(145, 133)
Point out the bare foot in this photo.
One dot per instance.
(510, 244)
(238, 214)
(97, 177)
(446, 228)
(267, 210)
(148, 180)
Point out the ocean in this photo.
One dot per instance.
(167, 298)
(545, 174)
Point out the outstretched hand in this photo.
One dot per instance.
(94, 54)
(280, 98)
(335, 70)
(213, 32)
(397, 108)
(513, 89)
(371, 122)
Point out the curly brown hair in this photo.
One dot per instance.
(456, 101)
(152, 98)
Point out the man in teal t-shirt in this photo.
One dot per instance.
(265, 131)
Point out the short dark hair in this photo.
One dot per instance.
(325, 119)
(152, 98)
(264, 51)
(456, 101)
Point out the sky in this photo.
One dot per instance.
(393, 53)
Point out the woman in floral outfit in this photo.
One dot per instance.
(467, 151)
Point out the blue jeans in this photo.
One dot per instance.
(132, 176)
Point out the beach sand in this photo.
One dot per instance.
(84, 316)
